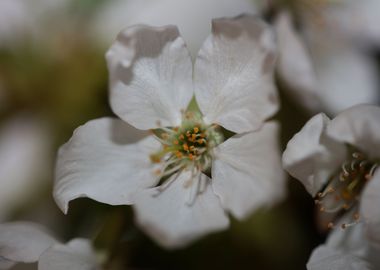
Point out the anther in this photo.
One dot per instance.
(330, 225)
(196, 129)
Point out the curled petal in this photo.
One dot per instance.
(360, 127)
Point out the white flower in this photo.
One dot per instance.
(24, 18)
(27, 243)
(322, 67)
(192, 17)
(337, 162)
(25, 145)
(166, 176)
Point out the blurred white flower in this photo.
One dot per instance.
(20, 19)
(337, 162)
(322, 67)
(166, 176)
(25, 145)
(192, 17)
(25, 242)
(345, 250)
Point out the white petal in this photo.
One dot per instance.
(303, 151)
(233, 74)
(294, 64)
(247, 172)
(370, 209)
(346, 77)
(98, 163)
(150, 76)
(77, 254)
(23, 241)
(357, 19)
(328, 258)
(173, 219)
(120, 13)
(360, 127)
(26, 141)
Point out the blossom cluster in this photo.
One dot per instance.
(194, 140)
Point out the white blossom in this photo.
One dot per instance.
(323, 67)
(337, 161)
(26, 242)
(182, 178)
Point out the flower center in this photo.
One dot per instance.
(342, 192)
(187, 146)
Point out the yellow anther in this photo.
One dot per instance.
(191, 156)
(185, 147)
(188, 133)
(196, 129)
(178, 154)
(193, 137)
(200, 141)
(181, 137)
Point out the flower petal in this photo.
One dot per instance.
(325, 257)
(360, 127)
(233, 74)
(97, 163)
(23, 242)
(357, 19)
(77, 254)
(294, 65)
(300, 158)
(150, 76)
(247, 172)
(370, 210)
(173, 219)
(346, 77)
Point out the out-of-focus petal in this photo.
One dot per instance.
(23, 242)
(346, 77)
(328, 258)
(25, 145)
(233, 74)
(370, 210)
(120, 13)
(173, 219)
(98, 163)
(294, 65)
(360, 127)
(358, 20)
(247, 172)
(150, 76)
(77, 254)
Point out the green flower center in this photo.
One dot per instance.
(187, 146)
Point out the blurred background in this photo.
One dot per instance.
(53, 78)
